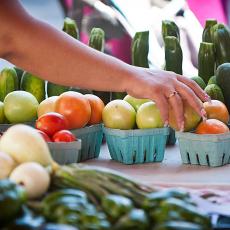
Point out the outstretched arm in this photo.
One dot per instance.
(55, 56)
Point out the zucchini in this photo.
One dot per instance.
(34, 85)
(221, 39)
(8, 82)
(173, 55)
(206, 36)
(169, 28)
(140, 49)
(70, 27)
(97, 41)
(206, 61)
(223, 80)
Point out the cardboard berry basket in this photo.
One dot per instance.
(91, 137)
(204, 149)
(138, 145)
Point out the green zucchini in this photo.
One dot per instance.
(140, 49)
(169, 28)
(221, 39)
(70, 27)
(97, 41)
(206, 36)
(33, 85)
(223, 80)
(8, 82)
(173, 55)
(206, 61)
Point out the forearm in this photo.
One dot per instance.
(55, 56)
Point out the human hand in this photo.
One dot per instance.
(167, 88)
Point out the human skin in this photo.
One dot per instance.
(53, 55)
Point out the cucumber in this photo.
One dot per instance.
(97, 41)
(169, 28)
(140, 49)
(33, 85)
(8, 82)
(223, 80)
(53, 89)
(173, 55)
(206, 36)
(206, 61)
(221, 39)
(70, 27)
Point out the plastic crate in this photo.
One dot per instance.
(4, 127)
(210, 150)
(91, 137)
(65, 153)
(136, 146)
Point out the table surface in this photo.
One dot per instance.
(171, 172)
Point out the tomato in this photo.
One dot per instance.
(148, 116)
(75, 108)
(63, 136)
(212, 126)
(119, 114)
(51, 123)
(97, 106)
(45, 136)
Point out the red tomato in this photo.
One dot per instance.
(51, 123)
(63, 136)
(75, 108)
(45, 136)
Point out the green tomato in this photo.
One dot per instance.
(148, 116)
(135, 102)
(119, 114)
(20, 106)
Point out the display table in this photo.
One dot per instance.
(171, 172)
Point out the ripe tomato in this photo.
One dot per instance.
(45, 136)
(212, 126)
(75, 108)
(51, 123)
(63, 136)
(97, 106)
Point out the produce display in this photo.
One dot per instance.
(38, 193)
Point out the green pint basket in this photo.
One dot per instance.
(65, 152)
(91, 137)
(136, 146)
(200, 149)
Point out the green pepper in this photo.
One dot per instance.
(12, 197)
(178, 225)
(135, 219)
(115, 206)
(153, 199)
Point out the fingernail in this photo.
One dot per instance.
(182, 126)
(203, 114)
(207, 98)
(166, 124)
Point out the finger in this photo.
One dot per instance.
(163, 106)
(177, 106)
(195, 87)
(189, 95)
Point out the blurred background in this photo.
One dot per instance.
(120, 19)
